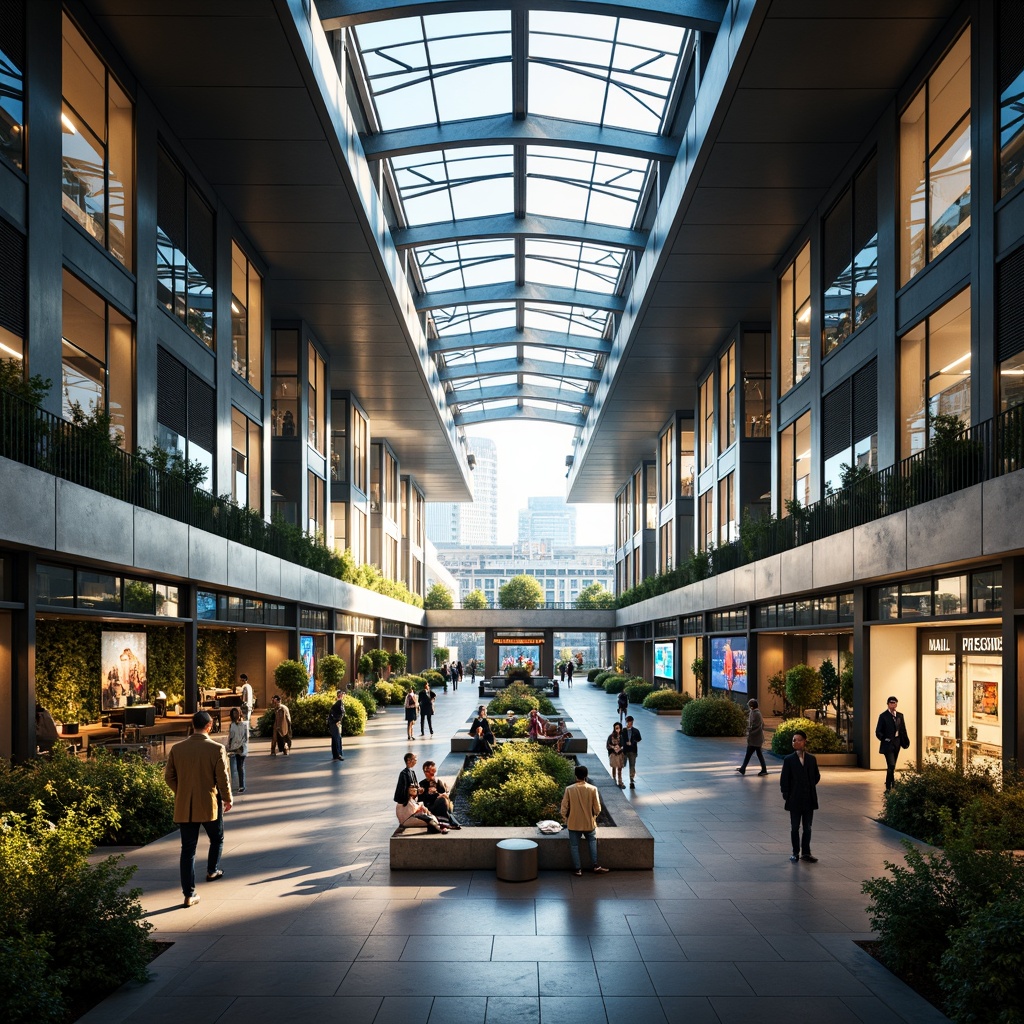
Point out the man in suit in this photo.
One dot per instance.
(630, 738)
(798, 780)
(891, 732)
(197, 772)
(406, 778)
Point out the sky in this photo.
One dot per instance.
(531, 464)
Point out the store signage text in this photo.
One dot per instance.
(517, 641)
(981, 644)
(938, 644)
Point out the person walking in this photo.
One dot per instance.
(799, 780)
(445, 675)
(472, 671)
(411, 707)
(457, 675)
(580, 807)
(616, 755)
(630, 738)
(198, 774)
(755, 739)
(568, 674)
(247, 698)
(238, 744)
(281, 734)
(561, 672)
(623, 706)
(334, 718)
(891, 732)
(427, 709)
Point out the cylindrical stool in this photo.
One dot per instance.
(516, 860)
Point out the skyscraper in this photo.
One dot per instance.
(476, 522)
(548, 520)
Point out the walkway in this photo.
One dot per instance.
(308, 923)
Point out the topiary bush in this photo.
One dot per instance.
(67, 927)
(820, 738)
(666, 700)
(713, 716)
(127, 796)
(615, 683)
(521, 784)
(291, 680)
(603, 675)
(637, 688)
(925, 798)
(593, 673)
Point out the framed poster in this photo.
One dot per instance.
(945, 696)
(729, 663)
(306, 657)
(985, 701)
(123, 670)
(664, 660)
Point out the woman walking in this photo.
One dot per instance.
(238, 745)
(616, 755)
(755, 739)
(411, 708)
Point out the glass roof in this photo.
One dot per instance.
(520, 241)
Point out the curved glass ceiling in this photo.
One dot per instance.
(520, 153)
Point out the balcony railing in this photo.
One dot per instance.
(36, 438)
(983, 452)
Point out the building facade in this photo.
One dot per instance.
(476, 522)
(548, 521)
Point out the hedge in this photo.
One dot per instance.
(637, 688)
(713, 716)
(309, 716)
(666, 700)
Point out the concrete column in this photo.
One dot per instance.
(23, 661)
(187, 601)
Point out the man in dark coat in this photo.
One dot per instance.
(406, 778)
(799, 778)
(891, 732)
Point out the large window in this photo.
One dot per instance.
(186, 413)
(935, 161)
(622, 531)
(339, 439)
(850, 259)
(246, 319)
(727, 532)
(757, 406)
(706, 519)
(12, 84)
(98, 146)
(184, 250)
(317, 401)
(707, 423)
(317, 505)
(665, 466)
(13, 292)
(795, 463)
(935, 373)
(1011, 95)
(849, 433)
(97, 368)
(284, 382)
(727, 399)
(246, 449)
(360, 448)
(795, 321)
(687, 460)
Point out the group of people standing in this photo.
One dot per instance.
(422, 705)
(565, 671)
(452, 673)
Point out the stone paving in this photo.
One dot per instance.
(309, 923)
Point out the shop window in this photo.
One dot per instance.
(13, 283)
(97, 147)
(284, 382)
(139, 597)
(935, 161)
(850, 259)
(12, 84)
(184, 250)
(795, 464)
(987, 591)
(935, 373)
(246, 319)
(99, 591)
(1011, 86)
(887, 603)
(795, 321)
(246, 452)
(757, 406)
(97, 369)
(55, 585)
(317, 401)
(167, 599)
(916, 600)
(727, 399)
(707, 423)
(951, 595)
(185, 411)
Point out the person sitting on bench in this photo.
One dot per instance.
(549, 733)
(412, 812)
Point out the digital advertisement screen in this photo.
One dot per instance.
(729, 663)
(306, 657)
(664, 660)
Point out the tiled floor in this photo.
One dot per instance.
(309, 924)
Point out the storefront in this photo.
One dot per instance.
(961, 696)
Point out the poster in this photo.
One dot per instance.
(664, 661)
(123, 670)
(729, 663)
(306, 657)
(985, 701)
(945, 696)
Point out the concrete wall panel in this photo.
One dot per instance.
(945, 530)
(291, 581)
(241, 567)
(880, 548)
(746, 583)
(1002, 521)
(92, 525)
(833, 560)
(28, 506)
(797, 569)
(161, 545)
(268, 573)
(768, 583)
(207, 558)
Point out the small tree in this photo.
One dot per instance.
(595, 598)
(803, 687)
(522, 592)
(475, 600)
(777, 687)
(438, 597)
(330, 670)
(291, 679)
(379, 662)
(365, 666)
(397, 662)
(440, 655)
(829, 688)
(699, 670)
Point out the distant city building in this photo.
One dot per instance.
(549, 521)
(474, 522)
(562, 574)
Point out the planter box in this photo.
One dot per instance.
(627, 846)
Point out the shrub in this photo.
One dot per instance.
(593, 673)
(506, 730)
(519, 785)
(926, 797)
(637, 689)
(432, 676)
(354, 722)
(933, 893)
(518, 673)
(127, 796)
(820, 738)
(603, 675)
(309, 716)
(291, 679)
(713, 716)
(998, 818)
(76, 926)
(367, 699)
(330, 672)
(615, 683)
(522, 699)
(383, 693)
(803, 688)
(982, 969)
(397, 661)
(666, 700)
